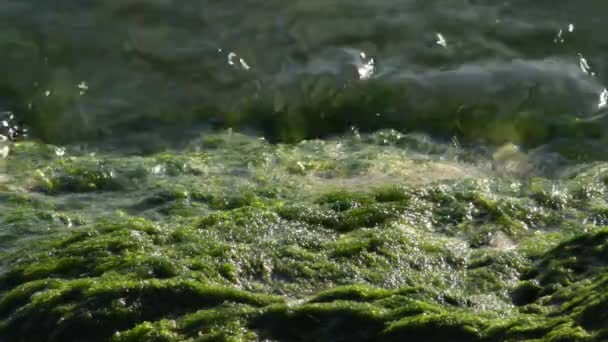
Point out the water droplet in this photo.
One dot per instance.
(83, 86)
(559, 38)
(441, 40)
(244, 64)
(233, 59)
(584, 65)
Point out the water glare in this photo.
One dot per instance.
(603, 99)
(233, 59)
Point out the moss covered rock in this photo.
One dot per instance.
(236, 239)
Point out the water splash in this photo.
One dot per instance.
(559, 38)
(366, 71)
(584, 65)
(236, 61)
(366, 67)
(603, 99)
(82, 87)
(441, 40)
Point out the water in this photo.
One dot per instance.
(78, 71)
(303, 170)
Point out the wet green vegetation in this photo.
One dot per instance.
(381, 237)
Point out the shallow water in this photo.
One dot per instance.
(83, 71)
(306, 170)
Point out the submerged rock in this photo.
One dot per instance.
(234, 238)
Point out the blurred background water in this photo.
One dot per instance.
(484, 71)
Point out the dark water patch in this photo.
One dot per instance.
(302, 70)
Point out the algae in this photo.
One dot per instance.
(237, 239)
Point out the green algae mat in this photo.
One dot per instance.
(366, 237)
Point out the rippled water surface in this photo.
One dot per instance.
(88, 70)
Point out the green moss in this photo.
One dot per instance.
(97, 308)
(224, 323)
(136, 307)
(574, 259)
(82, 178)
(310, 214)
(437, 327)
(370, 216)
(342, 201)
(378, 237)
(352, 292)
(393, 194)
(353, 244)
(229, 271)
